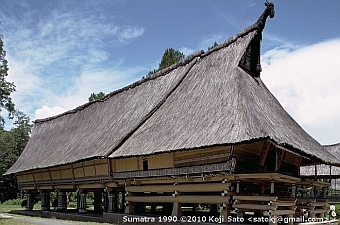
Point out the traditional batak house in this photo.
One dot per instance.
(203, 131)
(326, 172)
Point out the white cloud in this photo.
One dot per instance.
(54, 56)
(128, 33)
(92, 81)
(209, 41)
(46, 111)
(306, 81)
(187, 51)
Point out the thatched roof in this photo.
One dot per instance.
(97, 128)
(205, 100)
(324, 170)
(334, 150)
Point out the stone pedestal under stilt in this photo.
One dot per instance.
(112, 206)
(98, 202)
(62, 200)
(82, 203)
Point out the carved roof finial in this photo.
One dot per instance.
(269, 11)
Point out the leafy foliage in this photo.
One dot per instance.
(6, 88)
(94, 96)
(12, 143)
(213, 46)
(170, 57)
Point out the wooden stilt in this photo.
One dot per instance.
(29, 205)
(176, 209)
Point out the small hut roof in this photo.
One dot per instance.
(324, 170)
(334, 149)
(204, 100)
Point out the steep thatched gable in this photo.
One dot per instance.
(218, 103)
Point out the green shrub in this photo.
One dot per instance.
(13, 202)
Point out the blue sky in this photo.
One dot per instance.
(59, 52)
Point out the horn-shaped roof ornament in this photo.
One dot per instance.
(269, 11)
(250, 61)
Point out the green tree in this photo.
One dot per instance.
(6, 88)
(8, 185)
(12, 143)
(170, 57)
(213, 46)
(94, 96)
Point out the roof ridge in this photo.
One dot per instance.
(331, 145)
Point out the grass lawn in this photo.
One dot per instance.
(8, 207)
(13, 222)
(20, 219)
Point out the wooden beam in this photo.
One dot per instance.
(318, 210)
(203, 187)
(282, 203)
(264, 153)
(281, 212)
(88, 186)
(313, 183)
(254, 206)
(256, 198)
(180, 199)
(64, 186)
(305, 200)
(28, 188)
(281, 158)
(46, 187)
(218, 177)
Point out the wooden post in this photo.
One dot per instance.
(98, 201)
(105, 201)
(128, 205)
(176, 210)
(315, 171)
(312, 195)
(237, 186)
(123, 201)
(29, 205)
(272, 187)
(225, 211)
(153, 209)
(213, 209)
(293, 194)
(290, 219)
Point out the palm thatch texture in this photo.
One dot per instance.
(205, 100)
